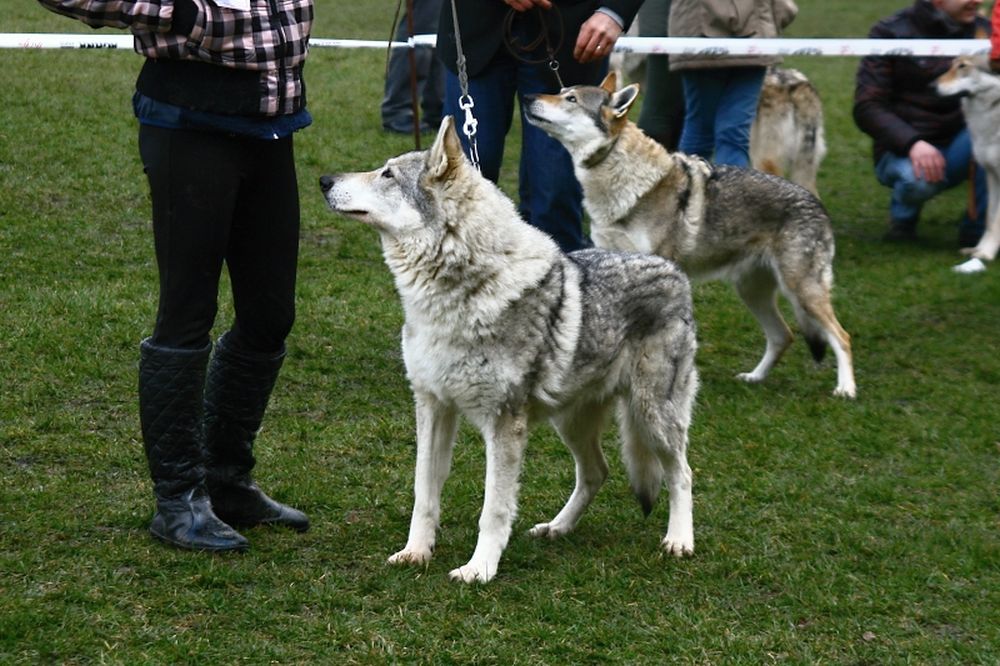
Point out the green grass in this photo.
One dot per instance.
(828, 532)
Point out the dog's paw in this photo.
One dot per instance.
(845, 392)
(473, 572)
(411, 556)
(750, 377)
(678, 547)
(549, 530)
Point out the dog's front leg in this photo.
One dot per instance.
(506, 438)
(436, 427)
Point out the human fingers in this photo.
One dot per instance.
(597, 38)
(525, 5)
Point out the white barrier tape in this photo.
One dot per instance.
(803, 47)
(14, 40)
(658, 45)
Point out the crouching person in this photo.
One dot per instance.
(921, 145)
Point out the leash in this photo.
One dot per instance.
(465, 101)
(523, 52)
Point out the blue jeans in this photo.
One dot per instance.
(720, 105)
(909, 193)
(551, 197)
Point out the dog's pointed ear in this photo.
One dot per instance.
(622, 100)
(610, 82)
(446, 153)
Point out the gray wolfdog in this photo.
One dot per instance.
(981, 105)
(758, 231)
(504, 328)
(787, 137)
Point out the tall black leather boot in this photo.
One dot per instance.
(171, 385)
(238, 387)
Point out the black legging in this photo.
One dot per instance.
(222, 198)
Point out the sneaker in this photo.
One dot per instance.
(901, 231)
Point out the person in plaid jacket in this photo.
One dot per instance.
(218, 98)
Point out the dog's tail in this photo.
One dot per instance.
(812, 332)
(817, 343)
(654, 427)
(645, 472)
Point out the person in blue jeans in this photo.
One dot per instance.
(582, 34)
(721, 92)
(913, 183)
(920, 145)
(719, 109)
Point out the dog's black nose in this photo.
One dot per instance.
(326, 182)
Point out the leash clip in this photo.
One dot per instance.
(469, 127)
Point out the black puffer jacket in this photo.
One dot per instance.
(894, 101)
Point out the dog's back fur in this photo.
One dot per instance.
(504, 328)
(981, 107)
(787, 137)
(759, 231)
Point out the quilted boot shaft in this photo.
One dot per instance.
(171, 385)
(237, 391)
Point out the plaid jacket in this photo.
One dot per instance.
(271, 39)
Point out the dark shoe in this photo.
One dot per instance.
(171, 384)
(969, 234)
(188, 522)
(901, 231)
(243, 504)
(237, 390)
(407, 128)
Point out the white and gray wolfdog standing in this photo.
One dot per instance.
(504, 328)
(758, 231)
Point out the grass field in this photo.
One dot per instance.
(828, 532)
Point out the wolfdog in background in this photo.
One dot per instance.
(758, 231)
(504, 328)
(981, 106)
(787, 137)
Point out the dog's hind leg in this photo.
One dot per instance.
(759, 290)
(580, 428)
(506, 437)
(815, 312)
(436, 428)
(986, 248)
